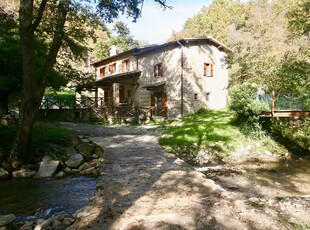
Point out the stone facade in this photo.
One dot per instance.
(173, 79)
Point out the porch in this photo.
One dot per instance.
(98, 108)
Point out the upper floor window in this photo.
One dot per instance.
(102, 72)
(112, 68)
(126, 65)
(158, 70)
(208, 69)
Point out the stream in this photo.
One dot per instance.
(29, 199)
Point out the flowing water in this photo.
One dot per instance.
(42, 198)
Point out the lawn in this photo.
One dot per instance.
(214, 133)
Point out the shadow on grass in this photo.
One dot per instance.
(209, 130)
(42, 136)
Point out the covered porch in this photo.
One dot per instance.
(115, 96)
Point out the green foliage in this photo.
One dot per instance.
(123, 41)
(10, 55)
(42, 135)
(293, 134)
(216, 20)
(292, 76)
(243, 100)
(299, 18)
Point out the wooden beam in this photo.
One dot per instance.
(286, 113)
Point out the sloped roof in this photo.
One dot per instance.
(149, 48)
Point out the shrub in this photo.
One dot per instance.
(244, 102)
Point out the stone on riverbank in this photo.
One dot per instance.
(74, 161)
(3, 173)
(86, 149)
(23, 174)
(6, 220)
(48, 167)
(72, 141)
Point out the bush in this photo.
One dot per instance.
(244, 102)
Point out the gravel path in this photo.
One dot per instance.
(142, 187)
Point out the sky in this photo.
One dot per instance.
(156, 25)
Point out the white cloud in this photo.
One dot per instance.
(156, 25)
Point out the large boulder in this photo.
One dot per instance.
(72, 141)
(3, 173)
(75, 161)
(86, 149)
(23, 174)
(69, 151)
(6, 220)
(48, 167)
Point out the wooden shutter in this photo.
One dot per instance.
(160, 66)
(123, 66)
(155, 69)
(205, 69)
(211, 69)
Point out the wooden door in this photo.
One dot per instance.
(121, 94)
(153, 101)
(164, 105)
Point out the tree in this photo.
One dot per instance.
(299, 18)
(61, 26)
(216, 20)
(123, 41)
(10, 59)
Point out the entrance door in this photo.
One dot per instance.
(159, 100)
(121, 94)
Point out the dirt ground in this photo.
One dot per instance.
(142, 187)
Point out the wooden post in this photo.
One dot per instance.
(273, 103)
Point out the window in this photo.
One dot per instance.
(158, 70)
(125, 65)
(208, 96)
(102, 72)
(195, 96)
(129, 93)
(112, 68)
(208, 70)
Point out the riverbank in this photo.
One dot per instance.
(143, 187)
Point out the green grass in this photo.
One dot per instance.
(215, 133)
(42, 136)
(203, 130)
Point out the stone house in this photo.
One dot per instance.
(173, 79)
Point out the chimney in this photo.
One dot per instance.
(113, 50)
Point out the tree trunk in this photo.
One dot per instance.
(34, 84)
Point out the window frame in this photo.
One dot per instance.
(208, 69)
(102, 72)
(126, 65)
(158, 70)
(112, 68)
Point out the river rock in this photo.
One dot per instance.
(48, 167)
(3, 173)
(86, 149)
(6, 219)
(72, 141)
(74, 161)
(84, 166)
(67, 222)
(69, 151)
(99, 151)
(60, 174)
(23, 174)
(87, 171)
